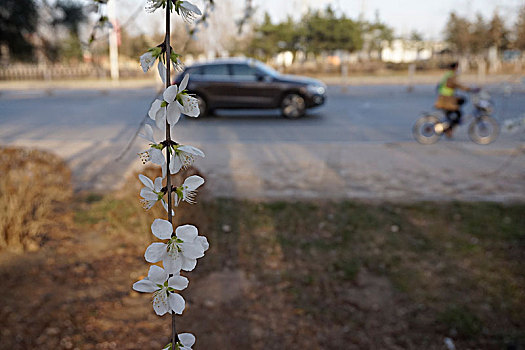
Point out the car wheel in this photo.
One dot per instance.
(203, 106)
(293, 106)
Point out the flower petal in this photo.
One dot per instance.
(164, 170)
(193, 182)
(145, 286)
(192, 250)
(175, 164)
(155, 106)
(162, 229)
(157, 274)
(155, 252)
(191, 150)
(178, 282)
(188, 264)
(187, 232)
(148, 133)
(173, 113)
(157, 186)
(160, 118)
(191, 106)
(156, 156)
(162, 71)
(148, 194)
(147, 61)
(160, 303)
(146, 181)
(187, 339)
(171, 265)
(170, 93)
(203, 242)
(184, 83)
(190, 7)
(177, 303)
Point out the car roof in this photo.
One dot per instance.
(230, 60)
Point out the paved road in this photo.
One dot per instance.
(358, 145)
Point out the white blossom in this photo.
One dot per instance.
(163, 288)
(188, 190)
(189, 104)
(155, 4)
(154, 153)
(181, 251)
(152, 192)
(176, 62)
(175, 101)
(186, 341)
(188, 11)
(147, 60)
(183, 157)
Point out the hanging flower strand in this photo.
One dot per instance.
(179, 249)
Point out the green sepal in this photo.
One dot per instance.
(155, 51)
(174, 56)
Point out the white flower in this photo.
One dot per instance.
(176, 62)
(181, 251)
(186, 341)
(170, 108)
(154, 153)
(155, 4)
(175, 101)
(163, 288)
(174, 108)
(189, 104)
(152, 192)
(188, 190)
(187, 10)
(148, 59)
(183, 157)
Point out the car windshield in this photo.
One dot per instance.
(266, 70)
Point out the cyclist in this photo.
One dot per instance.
(447, 99)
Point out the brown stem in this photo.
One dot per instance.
(174, 336)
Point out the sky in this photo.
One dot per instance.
(426, 16)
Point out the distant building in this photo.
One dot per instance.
(408, 51)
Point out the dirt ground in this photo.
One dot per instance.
(278, 275)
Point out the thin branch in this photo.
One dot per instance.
(174, 336)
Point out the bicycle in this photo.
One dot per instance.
(483, 129)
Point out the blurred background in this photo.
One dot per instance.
(335, 230)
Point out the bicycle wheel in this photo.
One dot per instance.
(483, 130)
(425, 130)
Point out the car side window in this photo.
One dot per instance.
(216, 71)
(244, 72)
(194, 71)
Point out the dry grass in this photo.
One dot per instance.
(278, 275)
(32, 187)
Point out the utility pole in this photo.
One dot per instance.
(113, 41)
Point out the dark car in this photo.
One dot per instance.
(242, 83)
